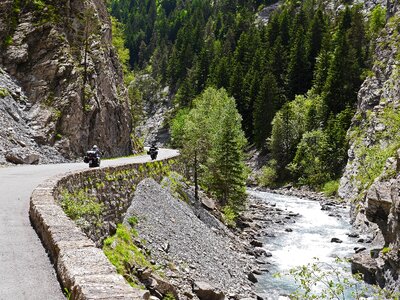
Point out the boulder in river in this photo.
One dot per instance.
(336, 240)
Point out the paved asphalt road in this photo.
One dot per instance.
(25, 268)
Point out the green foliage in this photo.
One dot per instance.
(345, 66)
(193, 45)
(80, 204)
(268, 175)
(377, 19)
(330, 188)
(169, 296)
(8, 41)
(229, 215)
(4, 92)
(265, 106)
(226, 172)
(212, 146)
(67, 293)
(136, 101)
(308, 164)
(177, 128)
(118, 41)
(322, 154)
(320, 280)
(288, 126)
(133, 221)
(127, 257)
(374, 157)
(176, 186)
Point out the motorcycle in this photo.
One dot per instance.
(92, 158)
(153, 153)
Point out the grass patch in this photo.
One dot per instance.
(80, 205)
(125, 255)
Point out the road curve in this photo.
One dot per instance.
(25, 268)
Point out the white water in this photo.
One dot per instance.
(311, 238)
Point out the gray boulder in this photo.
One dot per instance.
(22, 156)
(205, 291)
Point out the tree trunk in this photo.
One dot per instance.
(196, 186)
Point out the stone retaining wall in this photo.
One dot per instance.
(82, 268)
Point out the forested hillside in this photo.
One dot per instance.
(294, 78)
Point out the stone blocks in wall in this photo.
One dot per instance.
(82, 268)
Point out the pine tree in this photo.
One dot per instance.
(299, 75)
(315, 36)
(343, 77)
(227, 176)
(212, 146)
(265, 106)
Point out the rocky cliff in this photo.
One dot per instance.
(371, 179)
(60, 54)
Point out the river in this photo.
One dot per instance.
(310, 238)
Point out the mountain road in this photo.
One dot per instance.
(25, 268)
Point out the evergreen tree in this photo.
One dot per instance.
(225, 164)
(299, 75)
(343, 78)
(321, 67)
(265, 106)
(315, 36)
(212, 146)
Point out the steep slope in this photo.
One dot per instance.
(16, 143)
(61, 55)
(372, 179)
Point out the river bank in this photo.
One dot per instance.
(314, 226)
(201, 256)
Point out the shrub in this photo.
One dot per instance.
(267, 177)
(229, 215)
(319, 280)
(331, 188)
(4, 92)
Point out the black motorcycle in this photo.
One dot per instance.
(153, 152)
(92, 158)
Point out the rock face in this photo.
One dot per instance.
(61, 55)
(156, 105)
(197, 259)
(371, 178)
(16, 143)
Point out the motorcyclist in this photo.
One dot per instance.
(153, 147)
(96, 150)
(153, 151)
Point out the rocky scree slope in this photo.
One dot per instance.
(61, 55)
(194, 254)
(372, 178)
(16, 142)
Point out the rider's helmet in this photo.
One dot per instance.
(95, 147)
